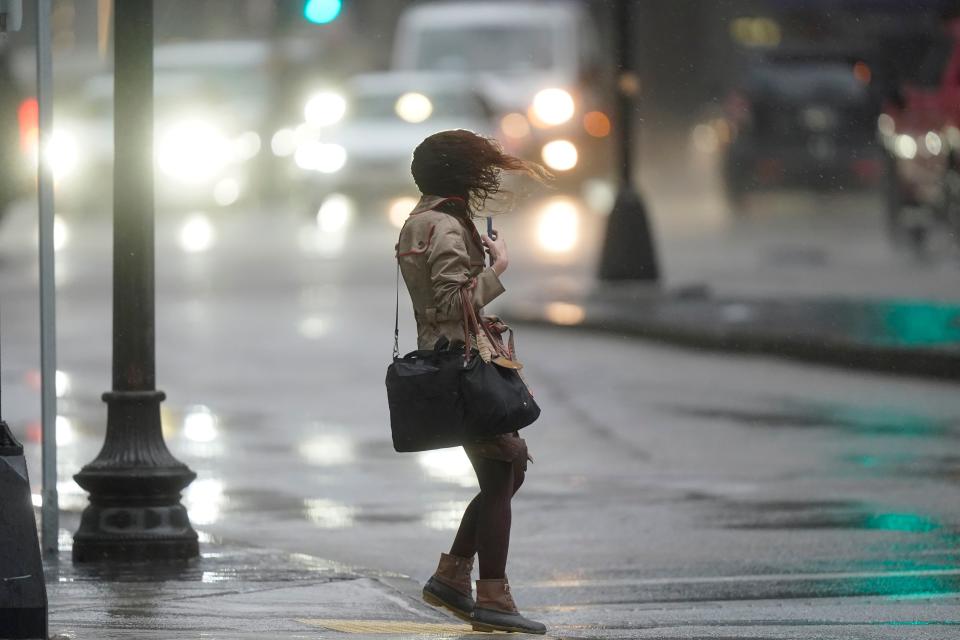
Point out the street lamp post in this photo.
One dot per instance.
(628, 251)
(134, 482)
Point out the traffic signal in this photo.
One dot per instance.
(322, 11)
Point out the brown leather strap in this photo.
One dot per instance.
(471, 321)
(465, 303)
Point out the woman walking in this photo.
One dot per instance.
(440, 254)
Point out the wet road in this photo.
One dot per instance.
(674, 494)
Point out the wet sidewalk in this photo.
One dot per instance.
(896, 336)
(233, 592)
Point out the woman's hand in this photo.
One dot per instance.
(498, 252)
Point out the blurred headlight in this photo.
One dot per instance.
(284, 142)
(246, 145)
(61, 233)
(318, 156)
(63, 153)
(324, 109)
(933, 143)
(559, 226)
(193, 151)
(226, 191)
(413, 107)
(560, 155)
(905, 146)
(335, 213)
(196, 234)
(399, 209)
(886, 125)
(553, 106)
(515, 125)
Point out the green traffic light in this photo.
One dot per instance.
(322, 11)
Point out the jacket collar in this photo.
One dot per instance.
(427, 203)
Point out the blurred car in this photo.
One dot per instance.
(920, 129)
(209, 103)
(540, 65)
(18, 120)
(802, 118)
(358, 144)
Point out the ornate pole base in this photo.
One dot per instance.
(134, 483)
(629, 252)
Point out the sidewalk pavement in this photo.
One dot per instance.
(233, 592)
(895, 336)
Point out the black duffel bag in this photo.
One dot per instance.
(449, 396)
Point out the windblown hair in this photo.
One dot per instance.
(466, 165)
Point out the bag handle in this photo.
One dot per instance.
(472, 322)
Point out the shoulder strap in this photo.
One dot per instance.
(396, 316)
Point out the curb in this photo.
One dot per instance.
(651, 318)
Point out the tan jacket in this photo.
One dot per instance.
(439, 254)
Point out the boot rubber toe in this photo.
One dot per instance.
(440, 595)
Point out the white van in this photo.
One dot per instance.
(540, 66)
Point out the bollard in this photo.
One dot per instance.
(23, 592)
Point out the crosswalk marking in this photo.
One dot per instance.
(387, 626)
(439, 629)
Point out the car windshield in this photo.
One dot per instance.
(384, 106)
(235, 91)
(930, 71)
(799, 81)
(502, 49)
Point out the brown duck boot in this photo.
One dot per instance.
(450, 586)
(496, 611)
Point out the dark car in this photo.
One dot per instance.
(804, 119)
(920, 129)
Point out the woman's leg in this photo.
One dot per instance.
(493, 514)
(466, 542)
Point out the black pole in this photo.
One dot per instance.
(628, 251)
(134, 482)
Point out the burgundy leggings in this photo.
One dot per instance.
(485, 526)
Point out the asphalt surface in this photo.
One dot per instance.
(673, 493)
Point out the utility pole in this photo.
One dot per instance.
(50, 509)
(629, 252)
(135, 482)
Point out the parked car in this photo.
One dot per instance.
(540, 65)
(357, 144)
(920, 129)
(802, 117)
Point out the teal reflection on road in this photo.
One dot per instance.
(920, 323)
(910, 522)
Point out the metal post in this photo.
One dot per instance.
(50, 526)
(135, 482)
(628, 251)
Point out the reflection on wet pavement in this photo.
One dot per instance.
(204, 500)
(869, 421)
(449, 465)
(445, 516)
(327, 450)
(329, 514)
